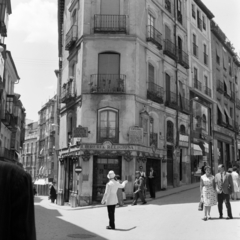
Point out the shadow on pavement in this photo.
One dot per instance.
(49, 225)
(37, 199)
(124, 230)
(223, 219)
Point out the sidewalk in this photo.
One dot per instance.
(161, 194)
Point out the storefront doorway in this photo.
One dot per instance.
(101, 167)
(169, 165)
(156, 165)
(68, 184)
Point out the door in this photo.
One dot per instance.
(180, 166)
(68, 184)
(101, 167)
(156, 165)
(108, 71)
(169, 165)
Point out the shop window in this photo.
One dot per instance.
(182, 130)
(108, 125)
(170, 132)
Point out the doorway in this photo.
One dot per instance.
(180, 166)
(101, 167)
(156, 165)
(68, 184)
(169, 165)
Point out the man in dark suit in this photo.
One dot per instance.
(151, 182)
(224, 187)
(139, 189)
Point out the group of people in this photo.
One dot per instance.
(216, 189)
(115, 194)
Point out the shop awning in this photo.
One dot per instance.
(41, 181)
(222, 112)
(229, 117)
(196, 150)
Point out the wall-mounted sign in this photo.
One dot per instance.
(80, 132)
(78, 169)
(135, 135)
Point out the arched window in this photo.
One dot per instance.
(108, 125)
(182, 129)
(170, 132)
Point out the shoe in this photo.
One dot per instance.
(134, 204)
(109, 228)
(144, 203)
(228, 218)
(204, 219)
(209, 217)
(220, 217)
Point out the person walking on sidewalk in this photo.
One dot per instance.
(208, 192)
(138, 189)
(119, 192)
(53, 193)
(17, 220)
(110, 197)
(236, 181)
(151, 182)
(224, 187)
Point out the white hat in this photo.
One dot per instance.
(111, 174)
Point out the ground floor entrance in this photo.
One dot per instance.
(101, 167)
(156, 165)
(68, 184)
(169, 165)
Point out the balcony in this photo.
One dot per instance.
(199, 23)
(155, 93)
(71, 37)
(205, 58)
(236, 127)
(232, 98)
(220, 122)
(238, 103)
(154, 36)
(207, 91)
(170, 49)
(108, 83)
(110, 23)
(67, 94)
(184, 105)
(220, 86)
(179, 17)
(171, 100)
(183, 59)
(168, 5)
(197, 84)
(195, 50)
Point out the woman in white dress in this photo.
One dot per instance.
(208, 192)
(236, 186)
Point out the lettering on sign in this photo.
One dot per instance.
(135, 135)
(80, 132)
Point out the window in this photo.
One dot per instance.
(204, 22)
(168, 5)
(31, 147)
(108, 126)
(195, 48)
(193, 11)
(70, 129)
(231, 112)
(151, 20)
(195, 72)
(205, 56)
(217, 58)
(182, 130)
(204, 122)
(229, 66)
(199, 21)
(206, 81)
(27, 147)
(179, 11)
(170, 132)
(153, 136)
(151, 73)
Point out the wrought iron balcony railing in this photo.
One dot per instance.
(184, 105)
(183, 58)
(169, 49)
(220, 86)
(108, 83)
(195, 50)
(171, 100)
(205, 58)
(71, 37)
(109, 23)
(68, 93)
(197, 84)
(154, 36)
(155, 93)
(168, 5)
(207, 91)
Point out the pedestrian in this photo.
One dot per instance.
(224, 187)
(119, 192)
(110, 197)
(236, 181)
(53, 193)
(208, 192)
(34, 191)
(203, 168)
(143, 175)
(17, 219)
(139, 189)
(151, 182)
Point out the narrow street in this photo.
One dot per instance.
(175, 217)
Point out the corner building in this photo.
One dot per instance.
(123, 75)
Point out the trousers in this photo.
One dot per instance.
(111, 213)
(140, 195)
(221, 197)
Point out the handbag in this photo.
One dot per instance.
(200, 205)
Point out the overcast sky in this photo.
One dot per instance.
(32, 40)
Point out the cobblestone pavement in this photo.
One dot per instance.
(173, 217)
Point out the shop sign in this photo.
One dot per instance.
(78, 169)
(183, 144)
(80, 132)
(135, 135)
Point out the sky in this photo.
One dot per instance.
(33, 42)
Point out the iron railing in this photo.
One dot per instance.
(71, 37)
(108, 83)
(169, 49)
(171, 100)
(207, 91)
(155, 93)
(197, 84)
(109, 23)
(168, 5)
(154, 36)
(220, 86)
(183, 58)
(67, 93)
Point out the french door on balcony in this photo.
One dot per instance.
(108, 72)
